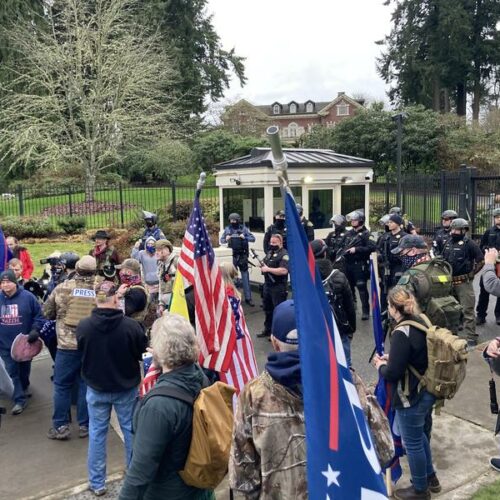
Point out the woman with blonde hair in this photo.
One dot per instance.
(229, 274)
(410, 402)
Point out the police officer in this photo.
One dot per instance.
(152, 229)
(339, 295)
(356, 250)
(275, 270)
(335, 239)
(237, 236)
(306, 224)
(490, 239)
(466, 260)
(443, 233)
(68, 304)
(408, 225)
(277, 227)
(392, 267)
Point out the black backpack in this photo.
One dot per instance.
(337, 306)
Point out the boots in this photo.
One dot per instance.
(411, 493)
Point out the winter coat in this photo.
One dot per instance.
(163, 430)
(490, 280)
(112, 346)
(24, 256)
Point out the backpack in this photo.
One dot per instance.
(377, 422)
(447, 360)
(208, 456)
(432, 286)
(337, 307)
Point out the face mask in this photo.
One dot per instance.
(280, 223)
(274, 248)
(457, 237)
(409, 260)
(149, 223)
(235, 225)
(150, 249)
(125, 279)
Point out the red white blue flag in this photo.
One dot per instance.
(341, 460)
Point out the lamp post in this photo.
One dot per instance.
(398, 118)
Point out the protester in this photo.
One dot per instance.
(491, 281)
(163, 425)
(105, 254)
(21, 253)
(68, 264)
(151, 231)
(19, 313)
(111, 346)
(410, 402)
(269, 445)
(149, 263)
(132, 293)
(166, 270)
(6, 384)
(17, 266)
(491, 354)
(69, 303)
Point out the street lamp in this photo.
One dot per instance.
(398, 118)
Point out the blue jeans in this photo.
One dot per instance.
(245, 279)
(411, 425)
(20, 375)
(100, 404)
(346, 343)
(67, 366)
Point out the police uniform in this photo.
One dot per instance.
(308, 228)
(335, 242)
(391, 263)
(440, 238)
(151, 232)
(463, 255)
(274, 229)
(490, 239)
(275, 287)
(357, 266)
(240, 250)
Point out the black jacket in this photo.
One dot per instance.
(112, 346)
(163, 430)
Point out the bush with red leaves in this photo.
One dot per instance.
(86, 208)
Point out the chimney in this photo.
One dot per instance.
(340, 94)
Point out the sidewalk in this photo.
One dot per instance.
(32, 466)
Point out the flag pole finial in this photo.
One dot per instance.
(278, 158)
(200, 183)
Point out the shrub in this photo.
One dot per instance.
(28, 227)
(72, 225)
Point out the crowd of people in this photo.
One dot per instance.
(100, 314)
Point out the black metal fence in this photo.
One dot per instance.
(425, 197)
(113, 205)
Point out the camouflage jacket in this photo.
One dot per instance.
(166, 276)
(268, 453)
(56, 307)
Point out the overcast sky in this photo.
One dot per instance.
(304, 49)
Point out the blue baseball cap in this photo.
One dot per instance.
(284, 326)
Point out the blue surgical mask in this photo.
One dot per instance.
(409, 260)
(150, 249)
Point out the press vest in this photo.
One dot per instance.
(81, 301)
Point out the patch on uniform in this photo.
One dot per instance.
(285, 257)
(398, 236)
(460, 242)
(443, 278)
(404, 280)
(83, 292)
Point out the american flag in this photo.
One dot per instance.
(243, 367)
(215, 326)
(149, 381)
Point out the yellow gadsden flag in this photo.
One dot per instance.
(178, 303)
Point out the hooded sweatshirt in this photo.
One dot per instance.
(112, 346)
(284, 368)
(18, 314)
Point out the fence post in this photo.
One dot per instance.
(465, 192)
(120, 191)
(444, 192)
(21, 200)
(70, 202)
(174, 201)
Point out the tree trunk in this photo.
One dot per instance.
(90, 180)
(436, 94)
(461, 99)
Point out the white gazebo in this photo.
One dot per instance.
(322, 181)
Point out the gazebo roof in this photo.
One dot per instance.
(296, 158)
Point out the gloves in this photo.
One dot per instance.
(33, 336)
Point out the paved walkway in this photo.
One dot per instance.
(32, 466)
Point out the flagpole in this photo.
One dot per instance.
(278, 158)
(200, 184)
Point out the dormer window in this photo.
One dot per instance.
(293, 108)
(309, 107)
(276, 109)
(343, 109)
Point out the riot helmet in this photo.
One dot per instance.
(383, 220)
(236, 217)
(318, 247)
(356, 215)
(395, 210)
(149, 218)
(337, 220)
(449, 214)
(496, 212)
(69, 260)
(459, 223)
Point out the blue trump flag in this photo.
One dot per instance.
(383, 390)
(341, 458)
(5, 253)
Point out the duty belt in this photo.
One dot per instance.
(463, 278)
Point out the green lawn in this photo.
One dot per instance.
(490, 492)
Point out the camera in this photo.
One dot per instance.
(52, 261)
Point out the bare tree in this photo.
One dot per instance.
(87, 90)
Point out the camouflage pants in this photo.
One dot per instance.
(464, 293)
